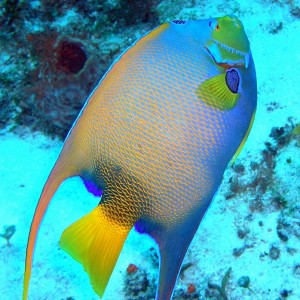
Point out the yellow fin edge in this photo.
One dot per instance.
(238, 151)
(96, 242)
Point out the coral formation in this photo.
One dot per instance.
(9, 231)
(184, 267)
(58, 63)
(133, 11)
(132, 268)
(70, 56)
(259, 181)
(262, 182)
(244, 281)
(191, 288)
(274, 252)
(189, 293)
(138, 286)
(60, 83)
(221, 289)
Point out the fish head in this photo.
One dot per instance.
(217, 52)
(223, 38)
(227, 42)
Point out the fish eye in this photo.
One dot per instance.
(214, 25)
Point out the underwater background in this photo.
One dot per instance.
(52, 54)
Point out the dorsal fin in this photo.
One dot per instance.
(67, 165)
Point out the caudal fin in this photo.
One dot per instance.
(62, 170)
(96, 242)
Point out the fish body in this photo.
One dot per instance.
(155, 137)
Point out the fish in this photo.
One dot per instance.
(152, 142)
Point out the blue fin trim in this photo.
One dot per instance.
(92, 187)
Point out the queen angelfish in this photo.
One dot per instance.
(155, 136)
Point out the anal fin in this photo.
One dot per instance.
(172, 252)
(96, 242)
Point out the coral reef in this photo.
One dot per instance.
(52, 64)
(141, 284)
(59, 85)
(261, 184)
(138, 286)
(189, 293)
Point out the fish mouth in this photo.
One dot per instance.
(226, 55)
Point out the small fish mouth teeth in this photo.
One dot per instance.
(229, 49)
(244, 55)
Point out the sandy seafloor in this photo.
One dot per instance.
(26, 159)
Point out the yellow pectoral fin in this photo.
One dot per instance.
(215, 93)
(96, 242)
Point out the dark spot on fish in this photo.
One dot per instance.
(122, 192)
(232, 80)
(116, 169)
(179, 22)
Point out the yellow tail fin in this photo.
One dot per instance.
(96, 242)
